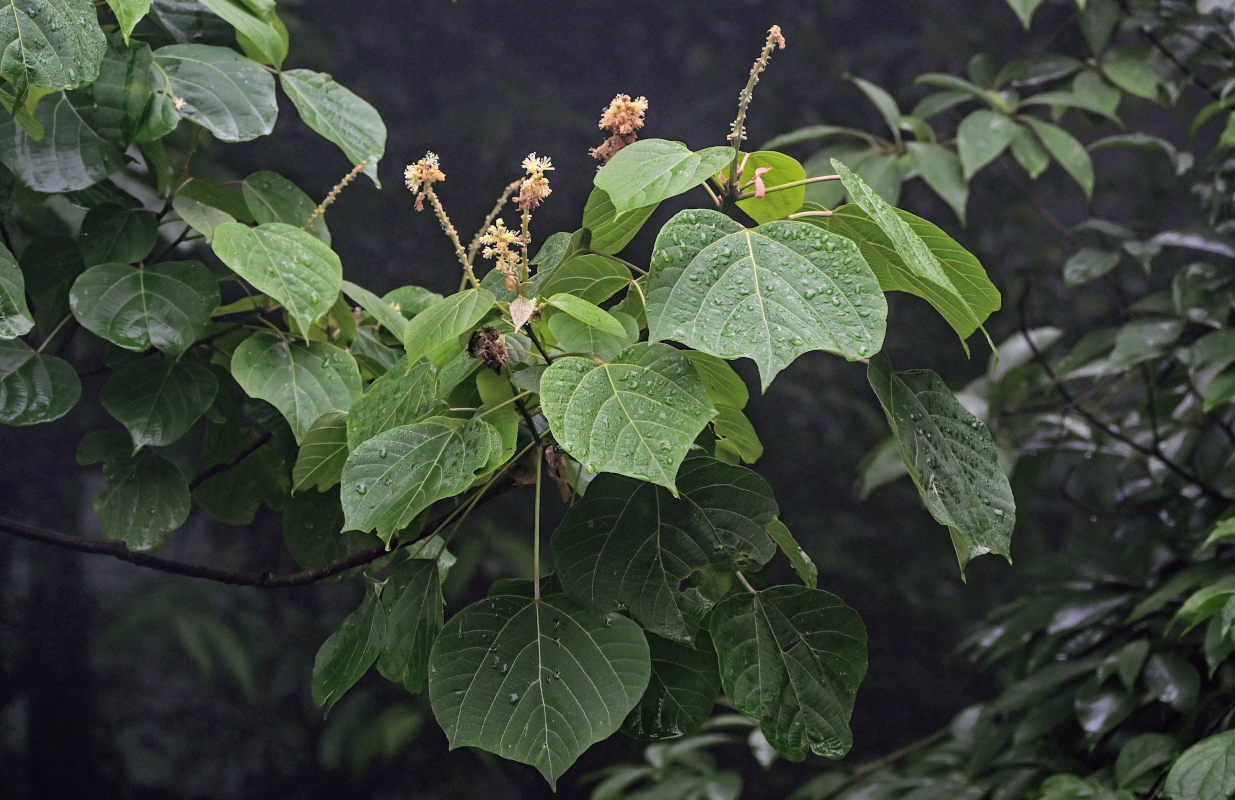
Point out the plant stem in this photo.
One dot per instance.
(449, 228)
(739, 124)
(540, 456)
(474, 246)
(792, 184)
(53, 333)
(746, 583)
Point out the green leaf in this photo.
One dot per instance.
(630, 544)
(941, 169)
(76, 150)
(412, 603)
(802, 564)
(981, 137)
(15, 317)
(612, 231)
(166, 305)
(792, 658)
(145, 500)
(261, 35)
(299, 271)
(158, 399)
(224, 92)
(575, 336)
(382, 311)
(1029, 153)
(780, 168)
(1100, 710)
(770, 293)
(951, 457)
(589, 276)
(735, 431)
(390, 478)
(323, 450)
(724, 386)
(53, 44)
(635, 416)
(110, 233)
(406, 393)
(270, 197)
(588, 313)
(445, 320)
(681, 693)
(535, 680)
(347, 654)
(882, 100)
(1205, 771)
(651, 170)
(1142, 759)
(1088, 264)
(1024, 10)
(301, 380)
(338, 115)
(1127, 68)
(128, 14)
(1066, 150)
(34, 387)
(909, 254)
(199, 216)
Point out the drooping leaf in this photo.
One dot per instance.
(770, 293)
(382, 310)
(981, 137)
(347, 654)
(165, 305)
(390, 478)
(158, 399)
(406, 393)
(1205, 770)
(15, 317)
(1025, 9)
(145, 500)
(612, 231)
(651, 170)
(52, 44)
(299, 271)
(724, 386)
(535, 680)
(951, 457)
(258, 33)
(412, 603)
(941, 169)
(1065, 149)
(110, 233)
(76, 150)
(630, 544)
(129, 13)
(681, 692)
(302, 380)
(34, 387)
(737, 436)
(446, 319)
(270, 197)
(224, 92)
(802, 563)
(636, 415)
(792, 657)
(339, 115)
(322, 453)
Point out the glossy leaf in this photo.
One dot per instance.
(981, 137)
(338, 115)
(303, 381)
(1142, 758)
(652, 170)
(406, 393)
(446, 319)
(34, 387)
(158, 399)
(951, 457)
(737, 434)
(635, 416)
(587, 313)
(129, 13)
(769, 293)
(681, 692)
(767, 169)
(224, 92)
(630, 544)
(54, 44)
(270, 197)
(323, 450)
(1065, 149)
(724, 386)
(792, 658)
(113, 234)
(412, 603)
(798, 558)
(299, 271)
(536, 681)
(76, 150)
(347, 654)
(574, 336)
(612, 231)
(15, 317)
(1205, 770)
(145, 500)
(259, 36)
(588, 276)
(166, 305)
(392, 477)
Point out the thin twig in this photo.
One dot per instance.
(862, 770)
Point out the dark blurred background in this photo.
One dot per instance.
(119, 682)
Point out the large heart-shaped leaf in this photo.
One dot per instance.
(15, 317)
(54, 44)
(681, 692)
(298, 270)
(792, 657)
(158, 399)
(110, 233)
(627, 543)
(303, 381)
(166, 305)
(535, 680)
(76, 150)
(393, 476)
(652, 170)
(323, 451)
(951, 457)
(34, 387)
(968, 298)
(769, 293)
(224, 92)
(269, 197)
(446, 319)
(407, 392)
(636, 415)
(146, 499)
(588, 276)
(339, 115)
